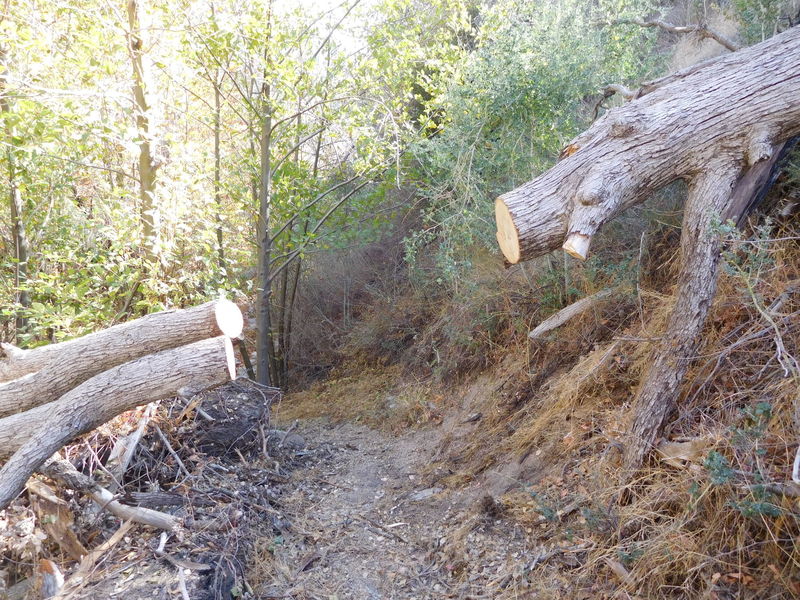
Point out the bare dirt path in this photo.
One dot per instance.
(368, 524)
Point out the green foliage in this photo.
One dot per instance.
(521, 95)
(757, 508)
(746, 259)
(759, 19)
(544, 505)
(755, 420)
(629, 556)
(746, 437)
(74, 139)
(719, 469)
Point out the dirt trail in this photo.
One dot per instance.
(365, 526)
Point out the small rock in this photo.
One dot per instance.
(424, 494)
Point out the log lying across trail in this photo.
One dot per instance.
(44, 374)
(712, 125)
(33, 436)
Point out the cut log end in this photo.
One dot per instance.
(507, 234)
(229, 318)
(230, 357)
(577, 245)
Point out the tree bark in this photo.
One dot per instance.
(264, 338)
(33, 436)
(740, 105)
(700, 248)
(53, 370)
(755, 185)
(218, 169)
(18, 233)
(265, 348)
(715, 125)
(147, 165)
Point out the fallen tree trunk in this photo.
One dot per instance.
(713, 125)
(51, 371)
(33, 436)
(755, 184)
(740, 105)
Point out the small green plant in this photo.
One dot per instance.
(629, 557)
(695, 491)
(719, 469)
(755, 420)
(544, 505)
(598, 520)
(275, 543)
(757, 508)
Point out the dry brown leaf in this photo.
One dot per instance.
(678, 454)
(55, 518)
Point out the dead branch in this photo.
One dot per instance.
(62, 471)
(569, 312)
(702, 30)
(124, 449)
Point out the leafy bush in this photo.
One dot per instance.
(527, 89)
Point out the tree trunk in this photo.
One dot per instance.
(218, 170)
(289, 314)
(740, 105)
(700, 248)
(147, 166)
(18, 233)
(33, 436)
(264, 343)
(60, 367)
(709, 125)
(755, 185)
(280, 320)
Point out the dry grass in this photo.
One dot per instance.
(379, 398)
(555, 422)
(714, 528)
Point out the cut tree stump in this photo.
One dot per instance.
(45, 374)
(33, 436)
(712, 125)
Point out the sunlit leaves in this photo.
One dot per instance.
(526, 89)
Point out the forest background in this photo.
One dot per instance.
(333, 167)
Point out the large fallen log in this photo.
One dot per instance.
(49, 372)
(33, 436)
(712, 125)
(734, 109)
